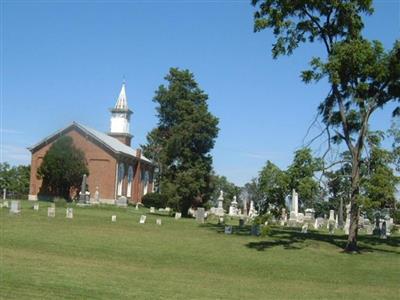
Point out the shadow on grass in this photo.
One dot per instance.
(293, 239)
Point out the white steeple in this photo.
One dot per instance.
(120, 114)
(122, 103)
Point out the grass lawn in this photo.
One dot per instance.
(90, 257)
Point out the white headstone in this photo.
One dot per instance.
(152, 210)
(36, 206)
(15, 207)
(295, 202)
(137, 206)
(142, 219)
(331, 215)
(178, 215)
(5, 204)
(4, 194)
(122, 201)
(304, 228)
(200, 215)
(69, 213)
(51, 211)
(158, 221)
(113, 218)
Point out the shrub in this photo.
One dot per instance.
(260, 220)
(60, 202)
(154, 200)
(266, 230)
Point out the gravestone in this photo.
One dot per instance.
(152, 210)
(228, 229)
(4, 194)
(233, 208)
(167, 209)
(252, 211)
(178, 215)
(15, 207)
(113, 218)
(122, 201)
(96, 199)
(383, 231)
(5, 204)
(142, 219)
(137, 206)
(331, 226)
(219, 211)
(36, 206)
(200, 215)
(51, 211)
(304, 228)
(158, 221)
(221, 220)
(255, 230)
(82, 193)
(69, 214)
(283, 217)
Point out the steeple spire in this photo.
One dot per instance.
(122, 103)
(120, 118)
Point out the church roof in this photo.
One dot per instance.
(112, 143)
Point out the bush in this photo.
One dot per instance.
(266, 230)
(60, 202)
(260, 220)
(154, 200)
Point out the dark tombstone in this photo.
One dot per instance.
(82, 193)
(383, 230)
(255, 230)
(377, 229)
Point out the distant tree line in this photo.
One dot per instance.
(15, 179)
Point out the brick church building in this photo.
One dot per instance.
(115, 169)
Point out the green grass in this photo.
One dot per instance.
(90, 257)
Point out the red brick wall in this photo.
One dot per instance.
(101, 164)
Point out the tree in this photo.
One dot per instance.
(379, 180)
(182, 140)
(251, 192)
(15, 179)
(301, 177)
(362, 75)
(274, 185)
(62, 168)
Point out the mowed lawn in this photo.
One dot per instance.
(90, 257)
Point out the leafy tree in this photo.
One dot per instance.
(15, 179)
(251, 192)
(182, 140)
(62, 168)
(274, 185)
(301, 177)
(379, 180)
(362, 75)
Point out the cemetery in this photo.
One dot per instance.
(225, 177)
(150, 254)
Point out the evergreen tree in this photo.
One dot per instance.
(182, 140)
(62, 168)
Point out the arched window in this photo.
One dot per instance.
(130, 178)
(121, 171)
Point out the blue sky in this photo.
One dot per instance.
(65, 61)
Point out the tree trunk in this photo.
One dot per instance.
(355, 192)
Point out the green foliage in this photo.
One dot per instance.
(181, 142)
(266, 231)
(154, 200)
(60, 202)
(261, 219)
(15, 179)
(301, 177)
(62, 168)
(252, 192)
(274, 185)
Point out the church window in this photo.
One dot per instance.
(121, 171)
(130, 178)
